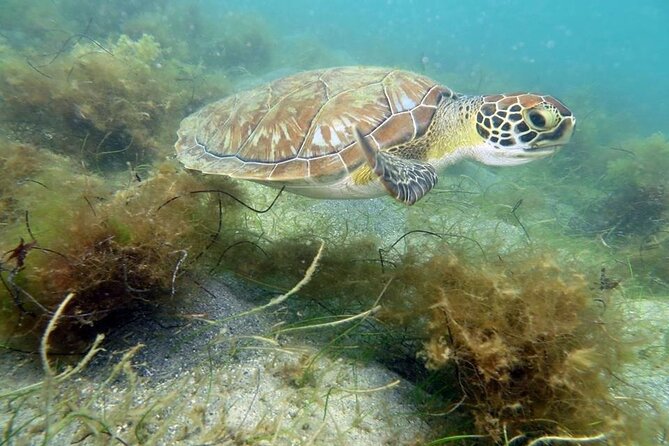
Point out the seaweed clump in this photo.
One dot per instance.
(628, 211)
(635, 204)
(632, 213)
(115, 251)
(106, 102)
(515, 349)
(526, 346)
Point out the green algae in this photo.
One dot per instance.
(524, 339)
(112, 249)
(107, 103)
(538, 321)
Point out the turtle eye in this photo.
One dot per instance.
(541, 118)
(537, 119)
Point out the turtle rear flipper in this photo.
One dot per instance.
(405, 179)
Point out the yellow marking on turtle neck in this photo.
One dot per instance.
(363, 175)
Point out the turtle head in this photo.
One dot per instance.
(520, 127)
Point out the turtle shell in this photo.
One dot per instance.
(302, 127)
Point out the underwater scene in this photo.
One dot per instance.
(374, 222)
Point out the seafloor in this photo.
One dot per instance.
(515, 306)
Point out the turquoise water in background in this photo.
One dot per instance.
(615, 52)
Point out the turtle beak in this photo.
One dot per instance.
(531, 154)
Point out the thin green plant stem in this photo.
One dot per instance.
(280, 299)
(95, 348)
(572, 440)
(363, 315)
(350, 329)
(44, 343)
(453, 438)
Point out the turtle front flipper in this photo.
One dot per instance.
(405, 179)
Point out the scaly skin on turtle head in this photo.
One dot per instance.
(501, 130)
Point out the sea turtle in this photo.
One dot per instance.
(357, 132)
